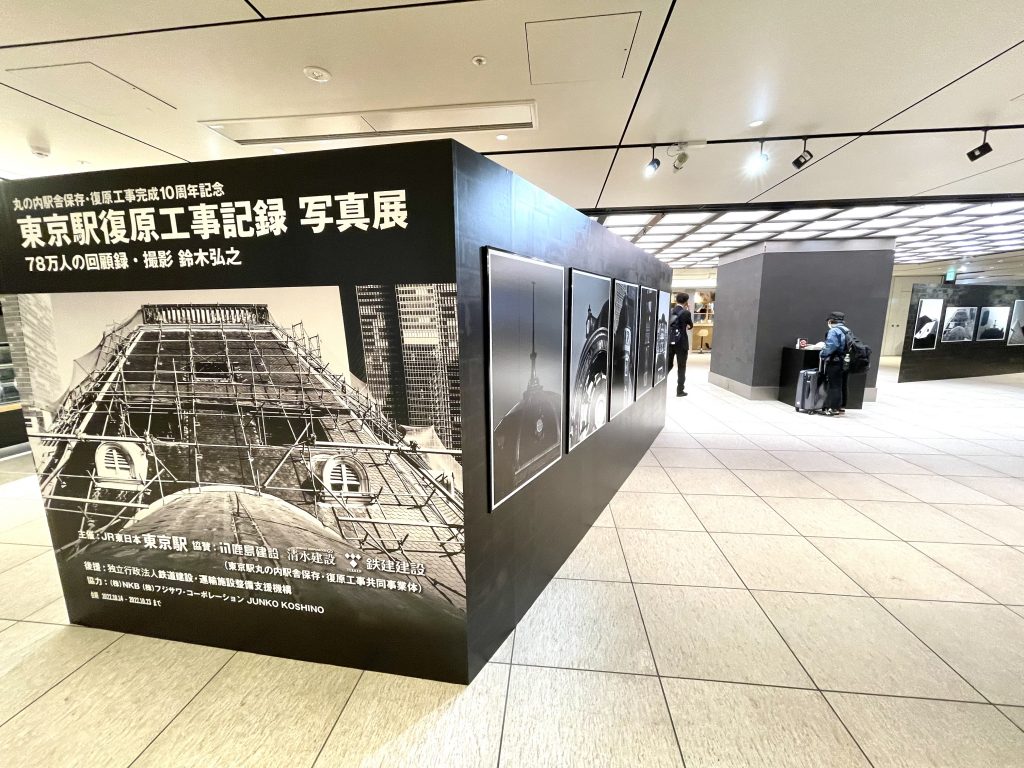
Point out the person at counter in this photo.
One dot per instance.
(833, 352)
(679, 343)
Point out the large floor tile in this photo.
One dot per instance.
(1002, 522)
(781, 443)
(53, 613)
(896, 569)
(708, 481)
(917, 521)
(584, 625)
(836, 443)
(912, 733)
(748, 459)
(984, 643)
(783, 483)
(788, 563)
(1016, 714)
(956, 446)
(946, 465)
(560, 718)
(1007, 465)
(728, 724)
(934, 489)
(687, 457)
(738, 514)
(650, 479)
(996, 571)
(597, 556)
(727, 442)
(813, 461)
(897, 445)
(281, 709)
(659, 511)
(877, 462)
(16, 554)
(1009, 490)
(391, 720)
(27, 587)
(676, 557)
(715, 634)
(667, 439)
(34, 657)
(649, 460)
(35, 532)
(861, 486)
(827, 517)
(853, 644)
(108, 711)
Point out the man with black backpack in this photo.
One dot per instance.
(842, 355)
(679, 343)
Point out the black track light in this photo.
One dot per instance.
(803, 158)
(981, 150)
(652, 167)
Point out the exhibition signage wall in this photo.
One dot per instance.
(265, 362)
(956, 331)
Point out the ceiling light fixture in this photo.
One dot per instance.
(277, 151)
(981, 150)
(803, 158)
(479, 61)
(756, 123)
(317, 74)
(758, 162)
(652, 167)
(679, 156)
(502, 137)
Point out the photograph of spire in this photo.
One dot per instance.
(646, 340)
(226, 425)
(526, 318)
(623, 346)
(589, 355)
(661, 338)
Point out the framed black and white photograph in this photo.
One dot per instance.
(646, 332)
(661, 338)
(926, 328)
(959, 324)
(526, 322)
(992, 323)
(624, 346)
(589, 354)
(1016, 337)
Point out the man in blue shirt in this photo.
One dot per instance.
(832, 364)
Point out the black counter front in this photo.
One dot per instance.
(795, 360)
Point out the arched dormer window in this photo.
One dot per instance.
(344, 480)
(120, 466)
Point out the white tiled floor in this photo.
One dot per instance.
(768, 589)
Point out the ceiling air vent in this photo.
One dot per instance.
(451, 118)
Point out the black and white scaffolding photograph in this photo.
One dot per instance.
(526, 320)
(589, 355)
(926, 328)
(647, 337)
(959, 324)
(623, 346)
(661, 338)
(227, 423)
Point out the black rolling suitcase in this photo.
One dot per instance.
(810, 391)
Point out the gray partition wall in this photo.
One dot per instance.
(773, 293)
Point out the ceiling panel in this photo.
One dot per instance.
(804, 66)
(892, 166)
(573, 177)
(1007, 178)
(31, 21)
(713, 174)
(409, 57)
(25, 121)
(295, 7)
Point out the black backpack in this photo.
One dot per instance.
(857, 357)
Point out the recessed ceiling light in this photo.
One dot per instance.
(628, 219)
(685, 218)
(317, 74)
(277, 151)
(756, 123)
(479, 61)
(502, 137)
(743, 216)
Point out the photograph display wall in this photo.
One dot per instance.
(589, 355)
(526, 321)
(926, 329)
(992, 323)
(959, 324)
(647, 327)
(624, 346)
(661, 338)
(1016, 337)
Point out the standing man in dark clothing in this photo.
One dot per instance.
(679, 343)
(833, 355)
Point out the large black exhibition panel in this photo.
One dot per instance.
(333, 406)
(771, 294)
(956, 331)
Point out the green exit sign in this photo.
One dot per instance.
(951, 275)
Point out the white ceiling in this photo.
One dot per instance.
(802, 66)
